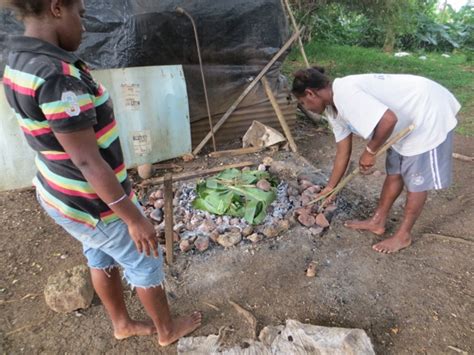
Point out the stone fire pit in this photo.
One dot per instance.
(200, 230)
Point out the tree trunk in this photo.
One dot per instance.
(389, 44)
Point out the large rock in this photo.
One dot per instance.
(292, 339)
(69, 290)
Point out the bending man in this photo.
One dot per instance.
(376, 106)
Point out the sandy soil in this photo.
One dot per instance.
(417, 301)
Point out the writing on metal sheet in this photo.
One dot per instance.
(141, 142)
(131, 96)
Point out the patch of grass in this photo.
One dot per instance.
(455, 73)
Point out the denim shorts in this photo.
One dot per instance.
(110, 245)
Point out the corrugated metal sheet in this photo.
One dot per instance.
(151, 108)
(240, 121)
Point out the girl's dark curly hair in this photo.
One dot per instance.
(25, 8)
(311, 78)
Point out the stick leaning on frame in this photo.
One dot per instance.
(356, 171)
(249, 88)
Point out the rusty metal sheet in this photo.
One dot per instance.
(240, 121)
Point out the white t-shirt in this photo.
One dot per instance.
(361, 101)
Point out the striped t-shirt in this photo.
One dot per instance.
(51, 90)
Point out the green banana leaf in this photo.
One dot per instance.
(233, 193)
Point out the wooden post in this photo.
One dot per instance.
(295, 27)
(224, 118)
(169, 217)
(280, 115)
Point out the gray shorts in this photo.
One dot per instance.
(427, 171)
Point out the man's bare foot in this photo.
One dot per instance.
(370, 225)
(135, 328)
(393, 244)
(181, 327)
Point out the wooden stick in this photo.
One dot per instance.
(280, 115)
(356, 171)
(168, 195)
(235, 152)
(198, 47)
(295, 27)
(194, 174)
(249, 317)
(463, 157)
(163, 166)
(246, 92)
(450, 238)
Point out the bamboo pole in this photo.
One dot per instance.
(356, 171)
(280, 115)
(246, 92)
(236, 152)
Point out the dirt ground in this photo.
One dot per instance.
(419, 301)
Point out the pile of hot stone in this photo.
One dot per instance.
(196, 229)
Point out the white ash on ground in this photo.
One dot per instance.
(200, 230)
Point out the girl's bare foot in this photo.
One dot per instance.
(134, 328)
(393, 244)
(180, 327)
(370, 225)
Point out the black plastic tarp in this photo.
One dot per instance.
(238, 38)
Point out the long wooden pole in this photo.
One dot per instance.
(198, 173)
(168, 195)
(280, 115)
(198, 47)
(246, 92)
(295, 27)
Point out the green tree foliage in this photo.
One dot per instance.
(401, 24)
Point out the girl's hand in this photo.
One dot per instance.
(144, 235)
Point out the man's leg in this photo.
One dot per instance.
(108, 286)
(169, 329)
(402, 237)
(392, 188)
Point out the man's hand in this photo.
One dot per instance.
(366, 162)
(144, 236)
(324, 192)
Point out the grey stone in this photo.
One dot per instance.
(69, 290)
(185, 245)
(247, 231)
(202, 243)
(157, 215)
(270, 232)
(255, 237)
(229, 239)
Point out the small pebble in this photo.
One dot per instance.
(247, 231)
(157, 215)
(264, 185)
(159, 203)
(270, 232)
(255, 238)
(311, 270)
(185, 245)
(306, 220)
(202, 243)
(322, 221)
